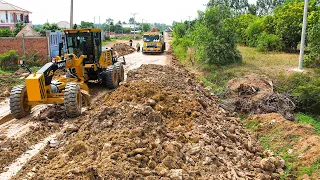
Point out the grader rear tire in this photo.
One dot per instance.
(110, 77)
(120, 70)
(19, 102)
(73, 100)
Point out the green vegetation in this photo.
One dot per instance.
(276, 139)
(8, 60)
(6, 32)
(305, 119)
(107, 41)
(210, 46)
(313, 168)
(47, 27)
(18, 27)
(212, 37)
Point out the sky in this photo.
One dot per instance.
(160, 11)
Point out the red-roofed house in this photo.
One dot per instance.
(11, 14)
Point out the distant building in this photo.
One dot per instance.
(131, 26)
(63, 25)
(11, 14)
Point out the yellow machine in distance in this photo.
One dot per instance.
(153, 42)
(84, 61)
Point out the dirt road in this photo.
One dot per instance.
(21, 139)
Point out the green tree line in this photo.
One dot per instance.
(268, 25)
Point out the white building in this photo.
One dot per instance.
(131, 26)
(63, 25)
(11, 14)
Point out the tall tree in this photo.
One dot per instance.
(131, 20)
(145, 27)
(238, 6)
(85, 24)
(267, 6)
(17, 27)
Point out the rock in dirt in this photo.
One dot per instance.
(254, 94)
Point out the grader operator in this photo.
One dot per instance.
(84, 61)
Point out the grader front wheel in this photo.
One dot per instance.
(120, 70)
(19, 102)
(110, 77)
(73, 100)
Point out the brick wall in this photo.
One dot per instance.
(32, 44)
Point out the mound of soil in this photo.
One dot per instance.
(154, 30)
(123, 49)
(301, 141)
(254, 94)
(161, 124)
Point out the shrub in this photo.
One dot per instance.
(181, 46)
(215, 37)
(243, 21)
(308, 98)
(304, 88)
(8, 60)
(5, 33)
(288, 23)
(269, 42)
(253, 32)
(313, 58)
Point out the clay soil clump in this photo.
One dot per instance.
(160, 124)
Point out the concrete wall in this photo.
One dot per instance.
(31, 45)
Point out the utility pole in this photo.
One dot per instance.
(303, 34)
(71, 15)
(99, 23)
(134, 24)
(189, 23)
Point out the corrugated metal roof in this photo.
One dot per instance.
(5, 6)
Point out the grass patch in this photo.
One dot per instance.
(6, 71)
(305, 119)
(106, 42)
(313, 168)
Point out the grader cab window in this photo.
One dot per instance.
(81, 44)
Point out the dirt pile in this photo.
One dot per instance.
(254, 94)
(123, 49)
(161, 123)
(154, 30)
(300, 143)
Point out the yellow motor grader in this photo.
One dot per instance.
(84, 61)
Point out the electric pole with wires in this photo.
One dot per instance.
(134, 24)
